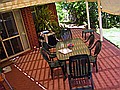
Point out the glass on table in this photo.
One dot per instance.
(62, 45)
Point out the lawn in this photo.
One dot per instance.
(113, 35)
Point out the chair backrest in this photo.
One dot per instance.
(91, 39)
(45, 46)
(97, 47)
(45, 55)
(66, 34)
(79, 66)
(52, 40)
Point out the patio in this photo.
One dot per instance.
(34, 73)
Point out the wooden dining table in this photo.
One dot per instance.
(63, 52)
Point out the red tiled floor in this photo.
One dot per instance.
(107, 78)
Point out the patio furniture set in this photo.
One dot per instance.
(74, 56)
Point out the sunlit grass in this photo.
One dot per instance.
(112, 35)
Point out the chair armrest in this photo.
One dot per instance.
(86, 41)
(51, 46)
(53, 54)
(57, 39)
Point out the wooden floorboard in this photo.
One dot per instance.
(108, 78)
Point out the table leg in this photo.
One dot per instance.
(65, 73)
(85, 35)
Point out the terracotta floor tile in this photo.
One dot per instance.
(107, 78)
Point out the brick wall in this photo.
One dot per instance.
(52, 7)
(30, 27)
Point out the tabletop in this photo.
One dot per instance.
(79, 48)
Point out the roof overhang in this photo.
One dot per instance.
(109, 6)
(6, 5)
(81, 0)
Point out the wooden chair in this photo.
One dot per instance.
(52, 40)
(90, 40)
(84, 32)
(80, 76)
(52, 64)
(66, 34)
(93, 57)
(47, 47)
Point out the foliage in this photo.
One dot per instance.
(60, 12)
(93, 12)
(110, 21)
(76, 10)
(77, 14)
(44, 19)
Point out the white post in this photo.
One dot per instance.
(100, 21)
(87, 14)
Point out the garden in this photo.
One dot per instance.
(75, 13)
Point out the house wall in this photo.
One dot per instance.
(30, 27)
(52, 7)
(29, 24)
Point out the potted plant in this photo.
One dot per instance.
(45, 20)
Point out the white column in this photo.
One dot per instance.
(87, 10)
(100, 21)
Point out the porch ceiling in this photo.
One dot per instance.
(109, 6)
(14, 4)
(81, 0)
(4, 1)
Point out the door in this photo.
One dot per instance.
(13, 39)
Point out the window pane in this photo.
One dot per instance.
(21, 28)
(2, 29)
(17, 46)
(10, 24)
(2, 52)
(8, 48)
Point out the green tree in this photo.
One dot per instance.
(60, 12)
(77, 14)
(110, 20)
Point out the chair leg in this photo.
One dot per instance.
(64, 73)
(69, 82)
(82, 34)
(96, 67)
(85, 36)
(92, 84)
(94, 64)
(51, 59)
(52, 73)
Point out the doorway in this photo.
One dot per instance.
(13, 38)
